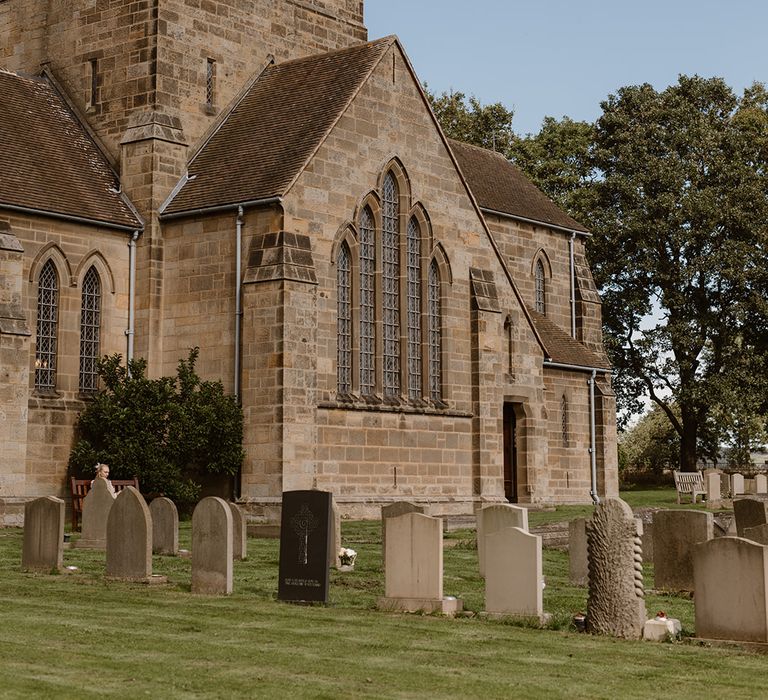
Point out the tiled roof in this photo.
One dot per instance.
(47, 160)
(562, 348)
(277, 126)
(502, 187)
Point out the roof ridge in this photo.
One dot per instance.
(482, 148)
(389, 39)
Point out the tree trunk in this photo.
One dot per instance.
(688, 441)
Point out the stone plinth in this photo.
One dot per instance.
(494, 518)
(661, 630)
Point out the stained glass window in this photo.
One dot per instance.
(47, 328)
(541, 301)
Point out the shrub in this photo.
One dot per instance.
(163, 431)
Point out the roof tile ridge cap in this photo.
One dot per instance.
(386, 42)
(227, 112)
(485, 150)
(47, 77)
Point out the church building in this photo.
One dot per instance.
(401, 316)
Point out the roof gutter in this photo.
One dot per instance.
(507, 215)
(221, 207)
(70, 217)
(576, 368)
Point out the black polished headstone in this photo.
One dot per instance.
(305, 541)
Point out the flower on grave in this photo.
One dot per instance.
(347, 556)
(661, 615)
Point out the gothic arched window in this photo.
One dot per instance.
(540, 285)
(344, 312)
(47, 328)
(367, 303)
(390, 269)
(90, 331)
(413, 236)
(564, 419)
(435, 336)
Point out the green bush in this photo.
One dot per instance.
(162, 431)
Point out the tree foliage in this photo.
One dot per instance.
(674, 186)
(651, 445)
(163, 431)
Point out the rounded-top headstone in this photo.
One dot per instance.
(43, 535)
(96, 507)
(165, 526)
(129, 537)
(212, 547)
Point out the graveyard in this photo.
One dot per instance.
(82, 632)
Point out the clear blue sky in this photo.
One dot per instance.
(562, 57)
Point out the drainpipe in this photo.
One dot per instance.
(129, 332)
(592, 441)
(571, 245)
(238, 312)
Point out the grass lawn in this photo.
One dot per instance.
(76, 635)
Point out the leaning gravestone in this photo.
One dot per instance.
(165, 526)
(96, 506)
(675, 534)
(413, 572)
(494, 518)
(393, 510)
(305, 542)
(513, 574)
(239, 533)
(749, 512)
(129, 537)
(212, 547)
(616, 604)
(43, 548)
(577, 552)
(731, 590)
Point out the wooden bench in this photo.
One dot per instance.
(81, 487)
(689, 482)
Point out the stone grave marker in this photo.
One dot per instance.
(757, 534)
(239, 533)
(494, 518)
(577, 552)
(305, 543)
(165, 526)
(129, 537)
(749, 512)
(413, 575)
(616, 603)
(513, 574)
(761, 483)
(676, 533)
(43, 548)
(96, 506)
(212, 547)
(712, 483)
(333, 552)
(393, 510)
(731, 590)
(737, 485)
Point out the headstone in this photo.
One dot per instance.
(513, 574)
(212, 547)
(239, 533)
(725, 485)
(305, 542)
(731, 590)
(737, 485)
(749, 512)
(494, 518)
(616, 603)
(712, 483)
(577, 552)
(96, 506)
(761, 483)
(675, 533)
(43, 548)
(646, 537)
(333, 552)
(165, 526)
(393, 510)
(129, 537)
(413, 575)
(757, 534)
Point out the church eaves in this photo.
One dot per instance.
(499, 186)
(274, 130)
(49, 164)
(562, 348)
